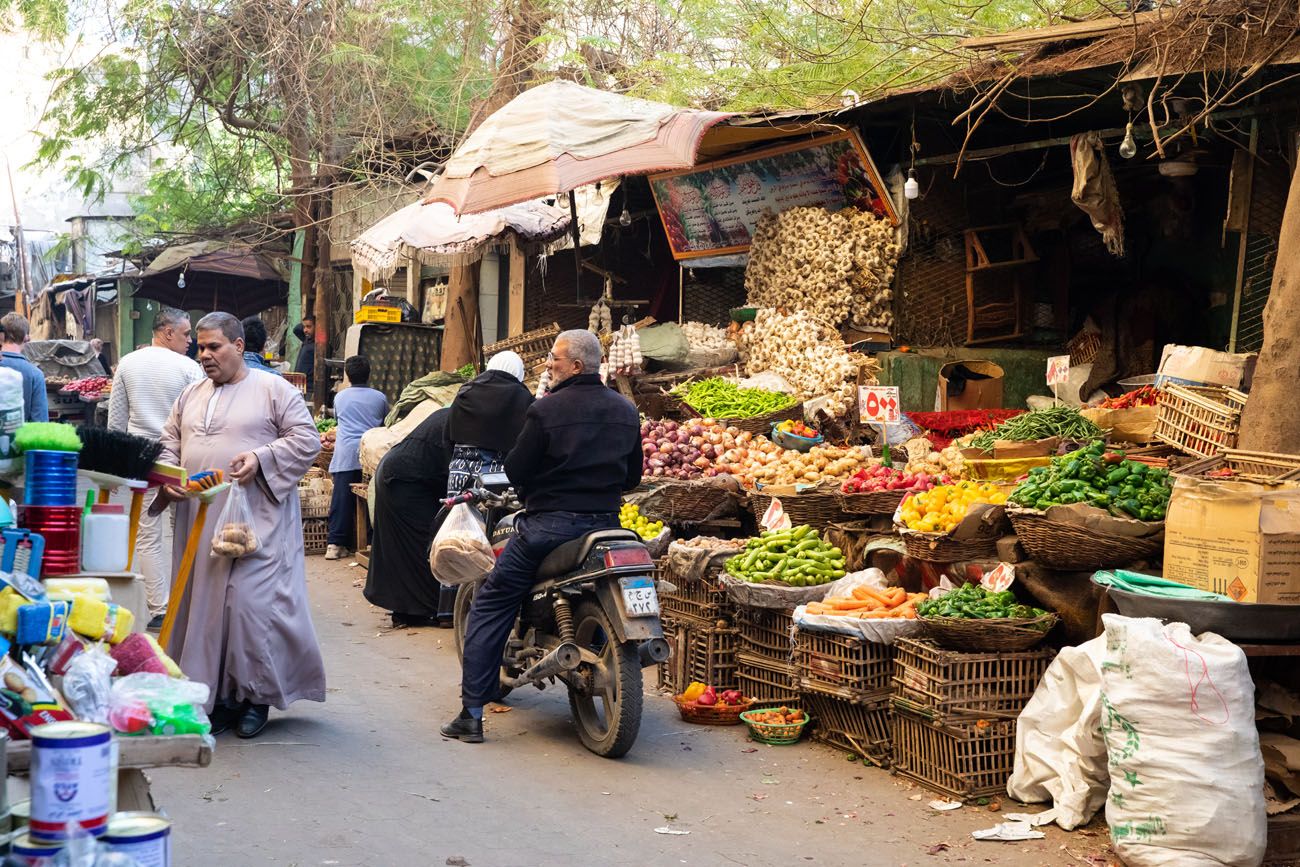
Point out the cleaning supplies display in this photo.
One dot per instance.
(60, 526)
(51, 478)
(42, 622)
(95, 619)
(105, 539)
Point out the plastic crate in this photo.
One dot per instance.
(1199, 420)
(951, 685)
(842, 666)
(700, 652)
(315, 535)
(378, 313)
(862, 729)
(768, 683)
(766, 632)
(961, 760)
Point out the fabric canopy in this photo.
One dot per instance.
(432, 233)
(217, 276)
(561, 136)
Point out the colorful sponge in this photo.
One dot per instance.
(10, 601)
(139, 652)
(94, 618)
(42, 622)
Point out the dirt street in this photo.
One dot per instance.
(365, 779)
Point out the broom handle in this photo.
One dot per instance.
(104, 495)
(183, 574)
(137, 506)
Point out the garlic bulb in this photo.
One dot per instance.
(806, 352)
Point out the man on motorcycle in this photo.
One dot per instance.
(579, 450)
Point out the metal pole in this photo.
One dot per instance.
(1245, 233)
(576, 231)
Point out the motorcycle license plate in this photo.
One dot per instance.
(639, 597)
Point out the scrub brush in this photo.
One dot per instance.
(204, 480)
(46, 436)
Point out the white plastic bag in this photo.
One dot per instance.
(1187, 776)
(1060, 754)
(461, 553)
(235, 535)
(882, 631)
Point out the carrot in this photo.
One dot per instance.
(852, 604)
(859, 592)
(897, 595)
(878, 597)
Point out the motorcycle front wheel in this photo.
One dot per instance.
(609, 717)
(460, 617)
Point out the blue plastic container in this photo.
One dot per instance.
(51, 478)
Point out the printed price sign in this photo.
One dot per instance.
(1058, 369)
(879, 404)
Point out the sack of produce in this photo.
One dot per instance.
(1060, 754)
(1186, 772)
(665, 343)
(709, 346)
(461, 552)
(235, 535)
(694, 559)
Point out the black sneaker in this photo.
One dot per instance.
(464, 728)
(223, 717)
(156, 624)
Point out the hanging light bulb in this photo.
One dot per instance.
(1128, 148)
(911, 189)
(180, 281)
(625, 218)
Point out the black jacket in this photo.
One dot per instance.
(488, 411)
(580, 449)
(306, 362)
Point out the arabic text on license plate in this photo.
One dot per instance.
(639, 597)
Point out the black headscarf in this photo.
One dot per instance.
(488, 411)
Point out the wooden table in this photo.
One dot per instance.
(362, 491)
(135, 755)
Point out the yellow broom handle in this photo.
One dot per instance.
(137, 506)
(183, 574)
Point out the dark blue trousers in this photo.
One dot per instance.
(343, 515)
(497, 601)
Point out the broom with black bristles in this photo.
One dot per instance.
(113, 458)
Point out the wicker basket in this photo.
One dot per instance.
(531, 346)
(1068, 546)
(950, 685)
(1262, 467)
(873, 503)
(942, 548)
(690, 502)
(702, 599)
(843, 667)
(711, 714)
(861, 729)
(700, 652)
(815, 508)
(765, 681)
(766, 632)
(961, 760)
(323, 459)
(853, 537)
(961, 633)
(774, 733)
(1201, 421)
(315, 535)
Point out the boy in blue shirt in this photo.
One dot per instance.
(358, 408)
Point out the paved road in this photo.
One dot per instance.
(364, 779)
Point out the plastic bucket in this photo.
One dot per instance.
(51, 478)
(61, 528)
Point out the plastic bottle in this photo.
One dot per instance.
(104, 539)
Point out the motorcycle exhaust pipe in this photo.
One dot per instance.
(563, 658)
(652, 652)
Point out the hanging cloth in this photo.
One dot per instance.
(1094, 189)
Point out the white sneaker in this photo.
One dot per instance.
(335, 552)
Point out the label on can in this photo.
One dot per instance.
(71, 775)
(146, 837)
(34, 853)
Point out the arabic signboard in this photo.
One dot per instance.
(879, 404)
(713, 209)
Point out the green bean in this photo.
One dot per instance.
(1063, 421)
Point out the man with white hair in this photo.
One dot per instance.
(579, 450)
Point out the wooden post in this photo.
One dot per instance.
(324, 295)
(413, 281)
(518, 269)
(297, 293)
(460, 330)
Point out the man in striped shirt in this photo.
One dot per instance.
(146, 384)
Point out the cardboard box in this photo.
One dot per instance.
(1133, 425)
(1236, 538)
(978, 393)
(1197, 365)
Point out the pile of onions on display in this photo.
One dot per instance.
(689, 449)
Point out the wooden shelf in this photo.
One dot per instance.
(178, 751)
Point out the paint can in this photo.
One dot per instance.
(34, 853)
(146, 837)
(73, 774)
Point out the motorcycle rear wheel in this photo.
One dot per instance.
(609, 721)
(460, 617)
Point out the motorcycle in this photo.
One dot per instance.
(591, 622)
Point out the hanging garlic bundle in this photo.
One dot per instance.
(543, 384)
(836, 266)
(599, 321)
(625, 352)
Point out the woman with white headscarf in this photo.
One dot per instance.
(486, 418)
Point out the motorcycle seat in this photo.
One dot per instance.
(570, 555)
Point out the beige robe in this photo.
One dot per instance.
(244, 627)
